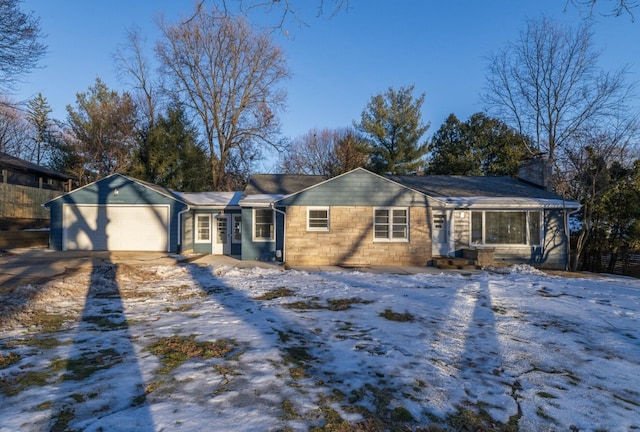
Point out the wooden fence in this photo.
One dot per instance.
(625, 264)
(21, 206)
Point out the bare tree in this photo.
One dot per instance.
(228, 76)
(14, 131)
(547, 84)
(134, 65)
(616, 7)
(20, 46)
(324, 152)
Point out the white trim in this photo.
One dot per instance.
(390, 224)
(319, 208)
(196, 237)
(273, 226)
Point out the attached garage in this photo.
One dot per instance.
(117, 213)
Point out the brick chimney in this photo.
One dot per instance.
(537, 171)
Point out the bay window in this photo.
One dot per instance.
(505, 227)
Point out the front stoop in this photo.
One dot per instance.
(456, 264)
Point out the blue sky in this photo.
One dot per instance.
(338, 62)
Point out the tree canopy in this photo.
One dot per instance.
(391, 122)
(480, 146)
(228, 76)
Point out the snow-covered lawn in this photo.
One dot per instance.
(189, 348)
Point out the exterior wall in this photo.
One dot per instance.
(207, 248)
(260, 251)
(102, 192)
(350, 239)
(552, 254)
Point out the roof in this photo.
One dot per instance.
(211, 199)
(23, 165)
(280, 184)
(474, 186)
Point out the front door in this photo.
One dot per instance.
(439, 234)
(221, 240)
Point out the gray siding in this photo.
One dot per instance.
(357, 188)
(257, 251)
(207, 248)
(102, 192)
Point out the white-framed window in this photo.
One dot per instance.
(263, 225)
(237, 229)
(391, 224)
(317, 218)
(506, 227)
(203, 228)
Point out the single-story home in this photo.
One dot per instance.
(357, 218)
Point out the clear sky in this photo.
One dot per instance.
(339, 62)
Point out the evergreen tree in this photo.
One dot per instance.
(391, 123)
(169, 155)
(480, 146)
(38, 110)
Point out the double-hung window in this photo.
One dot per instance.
(505, 227)
(318, 219)
(263, 225)
(391, 224)
(203, 228)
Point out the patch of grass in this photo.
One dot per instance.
(104, 322)
(344, 304)
(546, 395)
(296, 372)
(12, 387)
(62, 420)
(47, 322)
(288, 410)
(7, 360)
(396, 316)
(39, 342)
(401, 414)
(298, 355)
(80, 368)
(465, 419)
(175, 350)
(627, 400)
(304, 305)
(333, 422)
(277, 293)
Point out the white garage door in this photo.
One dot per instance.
(116, 227)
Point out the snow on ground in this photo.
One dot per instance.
(549, 353)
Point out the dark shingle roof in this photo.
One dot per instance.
(280, 184)
(473, 186)
(23, 165)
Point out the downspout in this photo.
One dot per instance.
(284, 230)
(180, 225)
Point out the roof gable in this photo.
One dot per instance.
(117, 189)
(356, 187)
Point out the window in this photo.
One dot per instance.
(237, 229)
(203, 228)
(391, 224)
(263, 225)
(318, 219)
(505, 228)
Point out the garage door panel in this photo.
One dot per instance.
(134, 228)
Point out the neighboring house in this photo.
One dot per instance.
(356, 219)
(23, 188)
